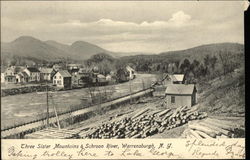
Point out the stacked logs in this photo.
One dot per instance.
(145, 123)
(212, 128)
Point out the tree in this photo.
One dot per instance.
(185, 66)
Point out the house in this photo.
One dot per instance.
(62, 79)
(101, 78)
(47, 74)
(22, 77)
(177, 95)
(131, 72)
(109, 78)
(173, 79)
(9, 74)
(33, 73)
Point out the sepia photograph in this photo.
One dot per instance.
(122, 70)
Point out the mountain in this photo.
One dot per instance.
(85, 49)
(26, 46)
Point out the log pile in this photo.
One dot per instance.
(145, 123)
(212, 128)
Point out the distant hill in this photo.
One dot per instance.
(26, 46)
(197, 53)
(201, 51)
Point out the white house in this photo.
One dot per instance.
(62, 79)
(22, 77)
(47, 74)
(131, 72)
(33, 73)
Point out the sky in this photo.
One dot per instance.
(126, 26)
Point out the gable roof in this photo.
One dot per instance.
(178, 77)
(182, 89)
(174, 77)
(129, 68)
(64, 73)
(33, 69)
(46, 70)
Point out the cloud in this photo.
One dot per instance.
(125, 26)
(180, 18)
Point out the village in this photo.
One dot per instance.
(62, 77)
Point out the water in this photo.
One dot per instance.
(27, 107)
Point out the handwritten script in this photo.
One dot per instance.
(124, 149)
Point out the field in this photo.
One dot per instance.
(27, 107)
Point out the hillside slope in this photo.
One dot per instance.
(201, 51)
(223, 95)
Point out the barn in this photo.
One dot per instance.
(177, 95)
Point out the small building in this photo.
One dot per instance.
(47, 74)
(22, 77)
(101, 78)
(62, 79)
(33, 73)
(173, 79)
(131, 72)
(177, 95)
(109, 78)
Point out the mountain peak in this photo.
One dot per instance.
(77, 43)
(25, 39)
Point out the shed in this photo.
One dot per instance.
(177, 95)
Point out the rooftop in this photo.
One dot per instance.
(46, 70)
(33, 69)
(64, 73)
(180, 89)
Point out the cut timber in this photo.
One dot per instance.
(223, 126)
(140, 113)
(156, 112)
(217, 121)
(223, 136)
(164, 112)
(196, 135)
(203, 129)
(204, 135)
(167, 115)
(220, 130)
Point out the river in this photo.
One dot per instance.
(22, 108)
